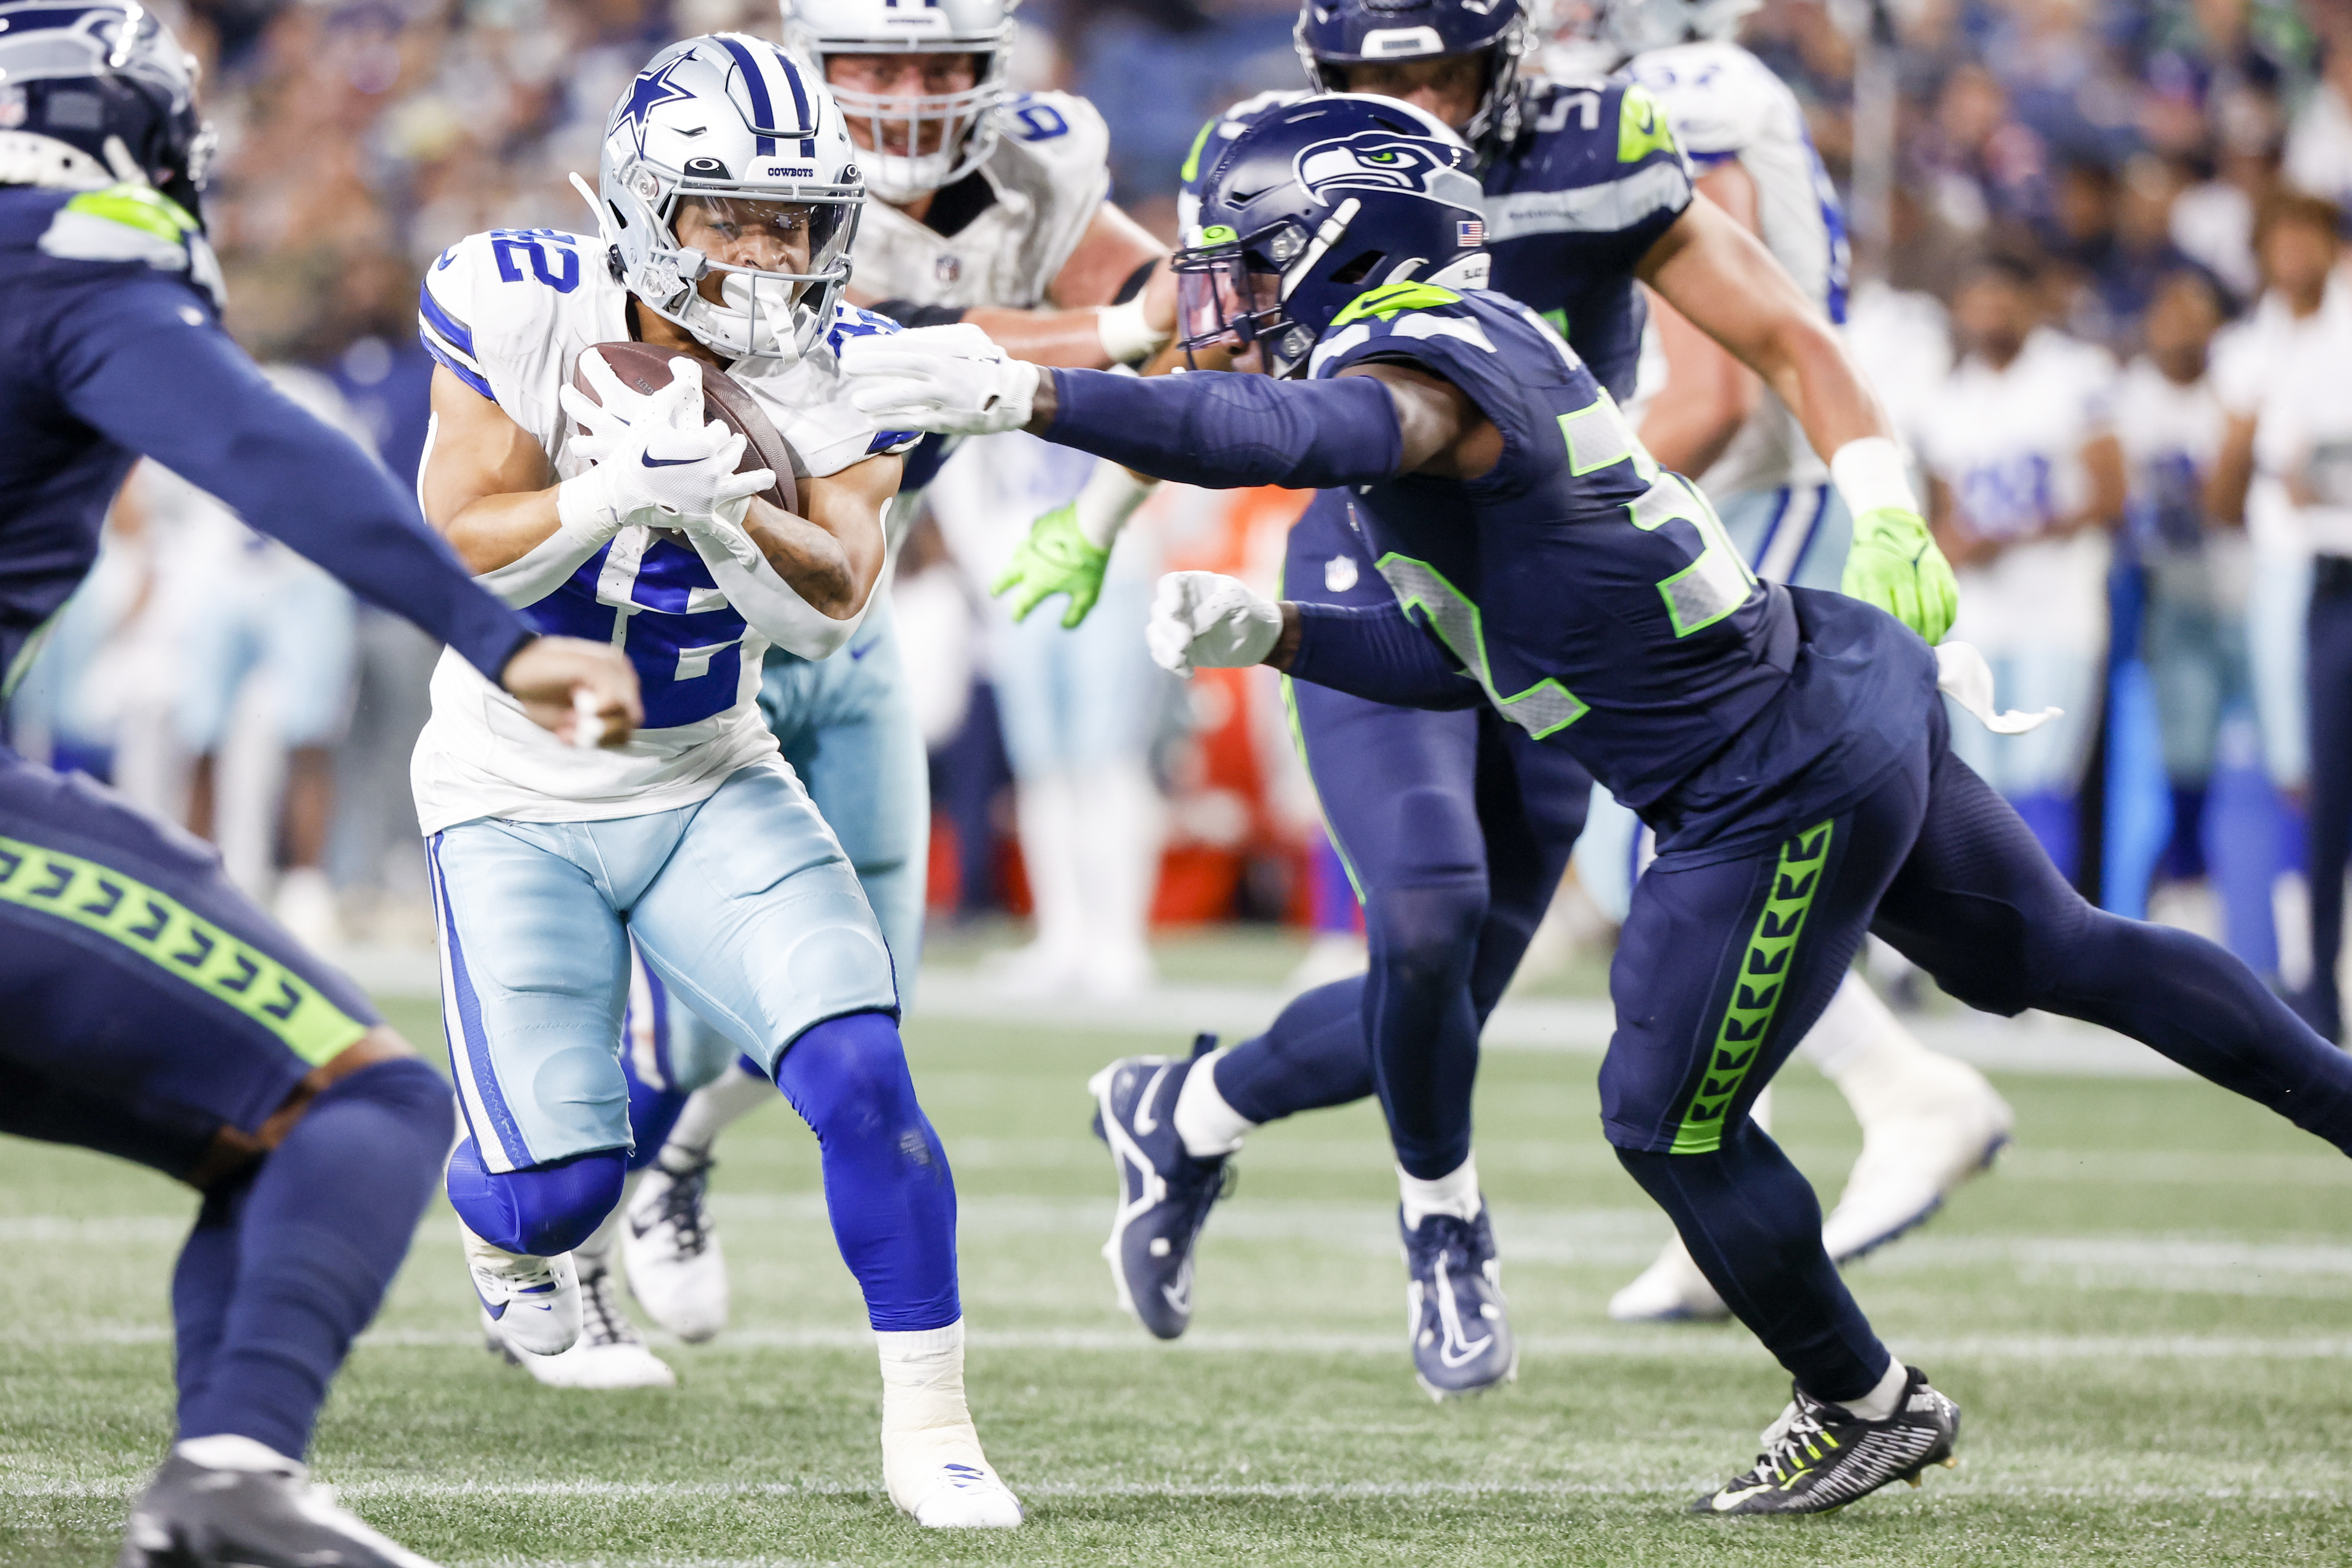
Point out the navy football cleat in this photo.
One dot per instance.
(192, 1516)
(1820, 1457)
(1462, 1341)
(1164, 1193)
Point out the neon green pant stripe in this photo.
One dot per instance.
(1756, 993)
(179, 942)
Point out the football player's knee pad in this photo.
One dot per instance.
(539, 1211)
(1428, 931)
(850, 1070)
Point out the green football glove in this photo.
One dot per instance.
(1895, 564)
(1055, 559)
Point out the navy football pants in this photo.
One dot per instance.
(148, 1010)
(1455, 828)
(1724, 963)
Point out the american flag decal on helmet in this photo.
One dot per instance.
(1473, 231)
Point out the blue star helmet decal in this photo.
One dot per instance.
(649, 92)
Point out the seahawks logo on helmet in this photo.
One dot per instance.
(1382, 161)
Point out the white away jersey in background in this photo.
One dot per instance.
(2170, 435)
(2010, 444)
(1048, 173)
(508, 313)
(1727, 106)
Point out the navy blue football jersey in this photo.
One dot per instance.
(111, 347)
(1599, 603)
(1572, 204)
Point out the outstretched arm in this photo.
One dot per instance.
(143, 366)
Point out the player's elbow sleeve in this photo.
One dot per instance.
(1376, 653)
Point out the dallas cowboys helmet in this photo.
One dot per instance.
(748, 136)
(965, 129)
(96, 94)
(1314, 206)
(1634, 27)
(1342, 33)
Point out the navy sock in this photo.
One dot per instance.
(318, 1230)
(1418, 1013)
(539, 1211)
(1754, 1228)
(1314, 1054)
(888, 1189)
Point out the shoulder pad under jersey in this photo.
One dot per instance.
(132, 223)
(1721, 99)
(1593, 158)
(489, 303)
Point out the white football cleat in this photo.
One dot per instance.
(1671, 1290)
(1950, 1128)
(609, 1352)
(668, 1240)
(533, 1303)
(938, 1475)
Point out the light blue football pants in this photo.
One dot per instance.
(744, 904)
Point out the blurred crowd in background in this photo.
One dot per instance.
(2096, 262)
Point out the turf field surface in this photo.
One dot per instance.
(2146, 1314)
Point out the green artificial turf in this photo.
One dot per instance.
(2146, 1314)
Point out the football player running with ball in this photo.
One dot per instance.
(982, 205)
(1789, 746)
(726, 201)
(153, 1011)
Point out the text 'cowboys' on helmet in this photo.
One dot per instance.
(916, 79)
(1333, 35)
(1315, 205)
(1634, 27)
(96, 95)
(730, 193)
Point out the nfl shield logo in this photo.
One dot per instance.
(948, 269)
(1472, 232)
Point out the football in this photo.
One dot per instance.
(645, 367)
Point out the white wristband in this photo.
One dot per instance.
(1871, 474)
(546, 566)
(1126, 336)
(1110, 498)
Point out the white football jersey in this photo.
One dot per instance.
(1049, 173)
(2263, 370)
(508, 313)
(2010, 444)
(1727, 106)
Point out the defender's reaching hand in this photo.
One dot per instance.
(1895, 564)
(1211, 621)
(563, 682)
(950, 380)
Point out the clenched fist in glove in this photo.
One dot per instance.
(951, 380)
(657, 463)
(1211, 621)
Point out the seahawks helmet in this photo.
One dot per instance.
(959, 125)
(1314, 206)
(97, 94)
(747, 136)
(1634, 27)
(1342, 33)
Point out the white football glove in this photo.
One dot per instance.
(667, 470)
(1211, 621)
(952, 380)
(606, 421)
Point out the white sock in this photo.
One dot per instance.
(1209, 1127)
(1456, 1193)
(1862, 1047)
(229, 1451)
(1045, 806)
(1881, 1402)
(596, 1252)
(711, 1111)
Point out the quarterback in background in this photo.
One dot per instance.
(726, 202)
(990, 206)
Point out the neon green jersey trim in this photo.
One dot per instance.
(1541, 709)
(1191, 169)
(1558, 321)
(1756, 992)
(1642, 127)
(179, 942)
(141, 207)
(1393, 299)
